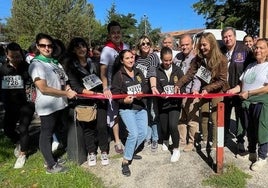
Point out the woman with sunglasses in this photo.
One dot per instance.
(51, 100)
(147, 61)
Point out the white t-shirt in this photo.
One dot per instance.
(107, 58)
(255, 76)
(55, 78)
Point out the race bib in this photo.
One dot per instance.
(12, 82)
(134, 89)
(169, 89)
(91, 81)
(204, 74)
(143, 69)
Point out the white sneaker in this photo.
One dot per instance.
(91, 159)
(55, 143)
(104, 159)
(17, 150)
(175, 156)
(20, 161)
(258, 164)
(55, 146)
(164, 147)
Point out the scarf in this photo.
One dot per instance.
(112, 45)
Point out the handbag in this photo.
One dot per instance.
(86, 113)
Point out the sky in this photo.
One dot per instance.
(168, 15)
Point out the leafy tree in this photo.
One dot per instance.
(240, 14)
(62, 19)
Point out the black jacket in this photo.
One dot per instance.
(76, 73)
(15, 96)
(162, 82)
(122, 82)
(241, 58)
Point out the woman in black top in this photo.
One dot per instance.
(84, 79)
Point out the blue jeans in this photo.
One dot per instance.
(152, 133)
(136, 122)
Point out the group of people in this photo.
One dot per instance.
(60, 75)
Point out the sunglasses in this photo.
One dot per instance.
(146, 43)
(45, 45)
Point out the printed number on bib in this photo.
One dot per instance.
(91, 81)
(204, 74)
(12, 82)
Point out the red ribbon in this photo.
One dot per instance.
(121, 96)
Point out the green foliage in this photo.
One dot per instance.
(232, 178)
(68, 18)
(33, 173)
(240, 14)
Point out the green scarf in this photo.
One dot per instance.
(263, 119)
(46, 59)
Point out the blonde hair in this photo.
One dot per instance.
(215, 56)
(140, 41)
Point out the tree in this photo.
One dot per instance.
(240, 14)
(62, 19)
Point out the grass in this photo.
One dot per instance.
(33, 173)
(233, 177)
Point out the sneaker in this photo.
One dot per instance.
(252, 157)
(60, 161)
(203, 145)
(55, 145)
(57, 168)
(104, 159)
(258, 164)
(240, 148)
(20, 161)
(91, 159)
(125, 169)
(188, 147)
(154, 146)
(17, 150)
(119, 148)
(164, 147)
(147, 143)
(175, 156)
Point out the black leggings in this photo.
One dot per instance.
(49, 124)
(169, 120)
(22, 114)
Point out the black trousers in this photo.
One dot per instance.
(250, 118)
(22, 114)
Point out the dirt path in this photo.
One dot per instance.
(156, 170)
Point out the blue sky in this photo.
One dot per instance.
(169, 15)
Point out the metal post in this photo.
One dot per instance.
(220, 141)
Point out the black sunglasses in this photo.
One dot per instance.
(146, 43)
(45, 45)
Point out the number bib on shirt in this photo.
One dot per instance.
(91, 81)
(12, 82)
(169, 89)
(204, 74)
(143, 69)
(134, 89)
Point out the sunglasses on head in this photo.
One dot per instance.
(146, 43)
(45, 45)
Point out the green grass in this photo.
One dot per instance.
(233, 177)
(33, 173)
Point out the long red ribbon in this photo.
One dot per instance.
(121, 96)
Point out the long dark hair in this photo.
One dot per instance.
(118, 61)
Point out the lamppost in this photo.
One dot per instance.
(145, 24)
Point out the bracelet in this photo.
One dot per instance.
(153, 86)
(106, 89)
